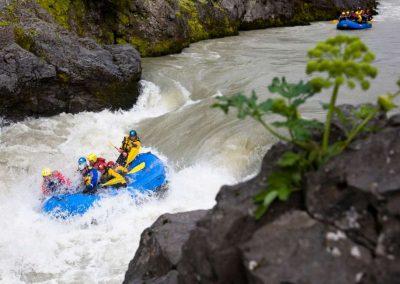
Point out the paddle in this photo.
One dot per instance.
(139, 167)
(112, 145)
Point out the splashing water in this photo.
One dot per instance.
(98, 246)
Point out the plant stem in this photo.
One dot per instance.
(272, 131)
(332, 103)
(305, 146)
(358, 129)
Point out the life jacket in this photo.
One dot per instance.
(128, 144)
(100, 165)
(56, 182)
(92, 179)
(114, 177)
(62, 179)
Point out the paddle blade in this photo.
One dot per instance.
(139, 167)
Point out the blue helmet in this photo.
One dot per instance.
(132, 133)
(82, 163)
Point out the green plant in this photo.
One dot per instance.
(4, 23)
(345, 60)
(342, 60)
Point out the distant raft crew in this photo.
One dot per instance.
(359, 16)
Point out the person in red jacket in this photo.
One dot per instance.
(98, 163)
(110, 171)
(54, 182)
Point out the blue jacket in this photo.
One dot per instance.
(92, 179)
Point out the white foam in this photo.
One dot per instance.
(34, 247)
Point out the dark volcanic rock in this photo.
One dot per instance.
(212, 251)
(343, 228)
(160, 247)
(351, 190)
(47, 70)
(212, 254)
(170, 278)
(297, 249)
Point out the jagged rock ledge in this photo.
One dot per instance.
(344, 227)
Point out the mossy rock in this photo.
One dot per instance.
(180, 22)
(24, 38)
(157, 48)
(70, 14)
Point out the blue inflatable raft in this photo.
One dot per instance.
(150, 179)
(352, 25)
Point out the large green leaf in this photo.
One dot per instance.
(289, 159)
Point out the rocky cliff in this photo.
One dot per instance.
(46, 69)
(161, 27)
(344, 227)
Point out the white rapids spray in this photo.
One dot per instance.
(36, 248)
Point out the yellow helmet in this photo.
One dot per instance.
(46, 172)
(92, 158)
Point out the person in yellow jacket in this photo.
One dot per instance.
(110, 171)
(359, 16)
(130, 148)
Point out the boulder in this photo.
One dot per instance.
(47, 69)
(352, 193)
(160, 248)
(297, 249)
(212, 254)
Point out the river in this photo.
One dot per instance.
(203, 148)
